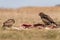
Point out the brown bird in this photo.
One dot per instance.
(8, 23)
(46, 19)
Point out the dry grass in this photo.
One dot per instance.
(29, 15)
(33, 34)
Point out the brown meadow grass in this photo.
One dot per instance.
(29, 15)
(32, 34)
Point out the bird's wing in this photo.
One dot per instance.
(45, 20)
(49, 18)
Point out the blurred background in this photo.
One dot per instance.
(24, 3)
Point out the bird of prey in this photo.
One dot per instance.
(8, 23)
(46, 19)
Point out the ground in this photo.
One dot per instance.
(32, 34)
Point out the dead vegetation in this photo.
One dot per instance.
(29, 15)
